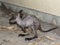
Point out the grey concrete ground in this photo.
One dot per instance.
(8, 37)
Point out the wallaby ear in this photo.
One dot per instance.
(2, 5)
(20, 11)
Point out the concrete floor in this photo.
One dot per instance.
(8, 37)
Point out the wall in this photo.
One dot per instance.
(46, 17)
(49, 6)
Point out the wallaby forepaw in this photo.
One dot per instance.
(21, 35)
(28, 39)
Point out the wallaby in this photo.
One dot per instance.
(28, 21)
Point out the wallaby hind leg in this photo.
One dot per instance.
(35, 34)
(22, 35)
(24, 31)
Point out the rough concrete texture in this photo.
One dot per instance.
(10, 37)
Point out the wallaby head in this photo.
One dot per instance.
(22, 14)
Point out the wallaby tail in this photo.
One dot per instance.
(48, 30)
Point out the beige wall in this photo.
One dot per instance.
(49, 6)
